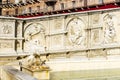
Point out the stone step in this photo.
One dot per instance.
(16, 74)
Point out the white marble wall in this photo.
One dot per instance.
(95, 33)
(82, 41)
(90, 33)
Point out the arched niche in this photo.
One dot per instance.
(34, 35)
(76, 32)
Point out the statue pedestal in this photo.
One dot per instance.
(42, 74)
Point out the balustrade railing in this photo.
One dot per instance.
(14, 74)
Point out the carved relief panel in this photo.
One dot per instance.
(7, 28)
(76, 35)
(34, 38)
(56, 42)
(59, 22)
(109, 29)
(6, 45)
(95, 29)
(102, 29)
(58, 25)
(96, 36)
(94, 19)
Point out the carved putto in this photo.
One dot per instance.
(109, 32)
(76, 33)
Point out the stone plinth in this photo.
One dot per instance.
(42, 74)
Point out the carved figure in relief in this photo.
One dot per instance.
(35, 46)
(76, 32)
(33, 30)
(109, 32)
(33, 43)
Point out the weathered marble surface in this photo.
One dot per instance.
(80, 41)
(90, 34)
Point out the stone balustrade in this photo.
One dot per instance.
(15, 74)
